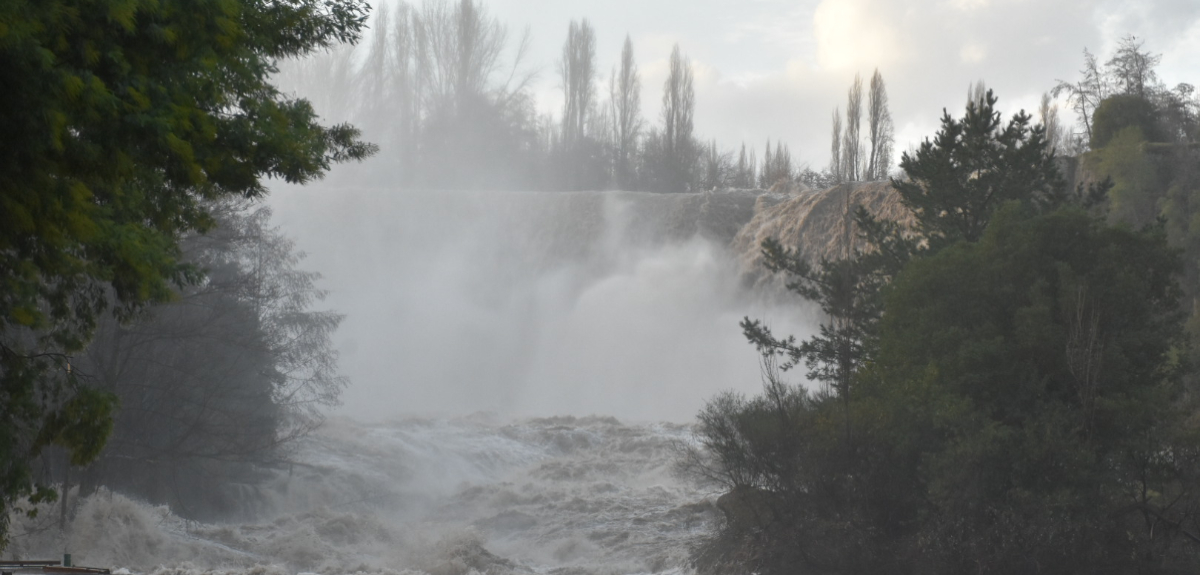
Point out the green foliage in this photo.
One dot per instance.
(1117, 113)
(1022, 411)
(1152, 163)
(1137, 182)
(1181, 215)
(122, 117)
(971, 168)
(848, 292)
(1052, 336)
(1014, 400)
(955, 184)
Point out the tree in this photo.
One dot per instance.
(1036, 366)
(1116, 113)
(1056, 139)
(744, 176)
(849, 159)
(956, 183)
(1086, 94)
(852, 152)
(999, 408)
(468, 117)
(625, 89)
(1130, 72)
(751, 168)
(777, 165)
(977, 93)
(1132, 69)
(577, 70)
(971, 168)
(216, 385)
(121, 120)
(880, 131)
(583, 154)
(718, 168)
(678, 107)
(835, 149)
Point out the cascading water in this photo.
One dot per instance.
(614, 303)
(481, 311)
(438, 496)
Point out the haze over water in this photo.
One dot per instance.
(525, 303)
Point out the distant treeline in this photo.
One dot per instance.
(434, 88)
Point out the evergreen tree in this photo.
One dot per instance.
(973, 166)
(991, 402)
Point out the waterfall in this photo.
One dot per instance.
(533, 303)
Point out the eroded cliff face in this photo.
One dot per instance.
(819, 224)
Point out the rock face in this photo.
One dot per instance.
(819, 224)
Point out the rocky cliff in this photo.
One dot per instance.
(819, 224)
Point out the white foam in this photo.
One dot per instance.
(437, 496)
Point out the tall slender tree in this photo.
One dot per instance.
(625, 88)
(880, 130)
(678, 108)
(752, 167)
(768, 163)
(1048, 118)
(852, 152)
(835, 148)
(577, 70)
(741, 177)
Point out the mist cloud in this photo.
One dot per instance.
(525, 303)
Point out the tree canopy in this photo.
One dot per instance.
(121, 119)
(1006, 389)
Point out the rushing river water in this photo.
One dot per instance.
(441, 496)
(516, 303)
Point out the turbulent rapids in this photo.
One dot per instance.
(438, 496)
(516, 304)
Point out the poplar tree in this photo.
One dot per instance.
(880, 132)
(852, 152)
(678, 109)
(625, 100)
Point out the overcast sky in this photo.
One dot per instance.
(777, 68)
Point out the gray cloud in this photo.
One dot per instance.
(776, 69)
